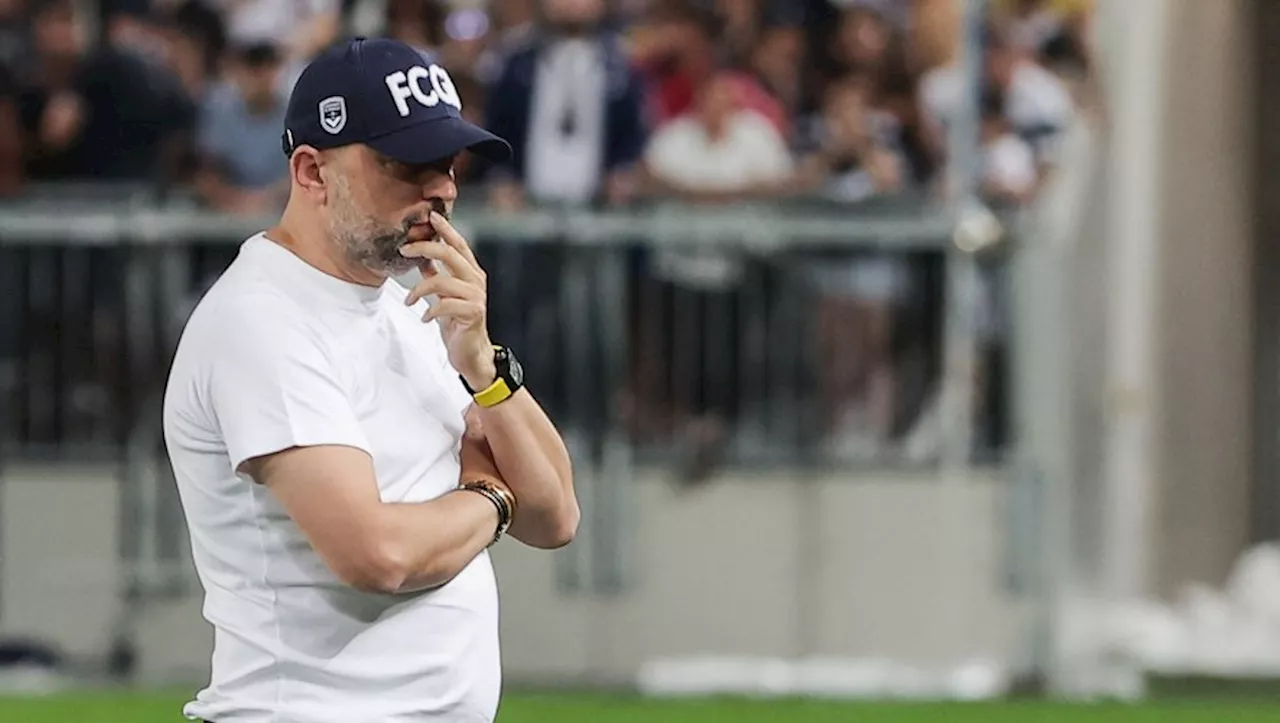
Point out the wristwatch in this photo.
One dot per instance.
(510, 379)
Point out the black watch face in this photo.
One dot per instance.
(517, 371)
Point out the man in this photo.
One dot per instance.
(346, 450)
(239, 131)
(720, 152)
(103, 114)
(1037, 104)
(573, 107)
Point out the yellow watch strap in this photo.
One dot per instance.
(493, 394)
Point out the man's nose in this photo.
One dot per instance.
(444, 188)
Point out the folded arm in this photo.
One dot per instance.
(516, 441)
(331, 493)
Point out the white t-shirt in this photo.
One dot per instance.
(750, 151)
(257, 21)
(279, 354)
(565, 146)
(1009, 162)
(1037, 103)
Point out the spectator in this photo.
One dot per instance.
(675, 49)
(853, 151)
(301, 27)
(867, 43)
(241, 169)
(419, 23)
(856, 156)
(740, 30)
(131, 27)
(1036, 103)
(196, 44)
(1008, 163)
(777, 65)
(572, 108)
(513, 28)
(1032, 25)
(101, 114)
(721, 152)
(861, 42)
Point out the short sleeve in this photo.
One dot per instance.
(772, 154)
(665, 152)
(272, 386)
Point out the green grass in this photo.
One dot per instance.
(555, 708)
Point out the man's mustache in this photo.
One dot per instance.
(437, 205)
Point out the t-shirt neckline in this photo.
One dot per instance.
(300, 276)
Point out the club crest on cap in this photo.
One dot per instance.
(333, 114)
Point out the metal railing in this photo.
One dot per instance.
(611, 300)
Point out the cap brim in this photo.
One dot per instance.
(440, 138)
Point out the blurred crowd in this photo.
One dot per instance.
(704, 100)
(606, 102)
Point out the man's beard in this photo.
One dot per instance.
(367, 242)
(379, 250)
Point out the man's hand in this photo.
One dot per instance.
(476, 457)
(63, 119)
(517, 437)
(462, 308)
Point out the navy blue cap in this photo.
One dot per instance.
(388, 96)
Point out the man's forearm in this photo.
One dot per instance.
(533, 461)
(426, 544)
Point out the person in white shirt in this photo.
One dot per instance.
(720, 152)
(1037, 104)
(347, 449)
(1008, 174)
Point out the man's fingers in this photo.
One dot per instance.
(446, 287)
(446, 254)
(461, 310)
(454, 239)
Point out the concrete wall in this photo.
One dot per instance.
(884, 565)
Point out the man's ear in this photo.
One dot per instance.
(305, 168)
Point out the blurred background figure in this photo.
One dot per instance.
(239, 137)
(302, 29)
(94, 111)
(419, 23)
(1010, 172)
(572, 107)
(856, 155)
(720, 151)
(1035, 26)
